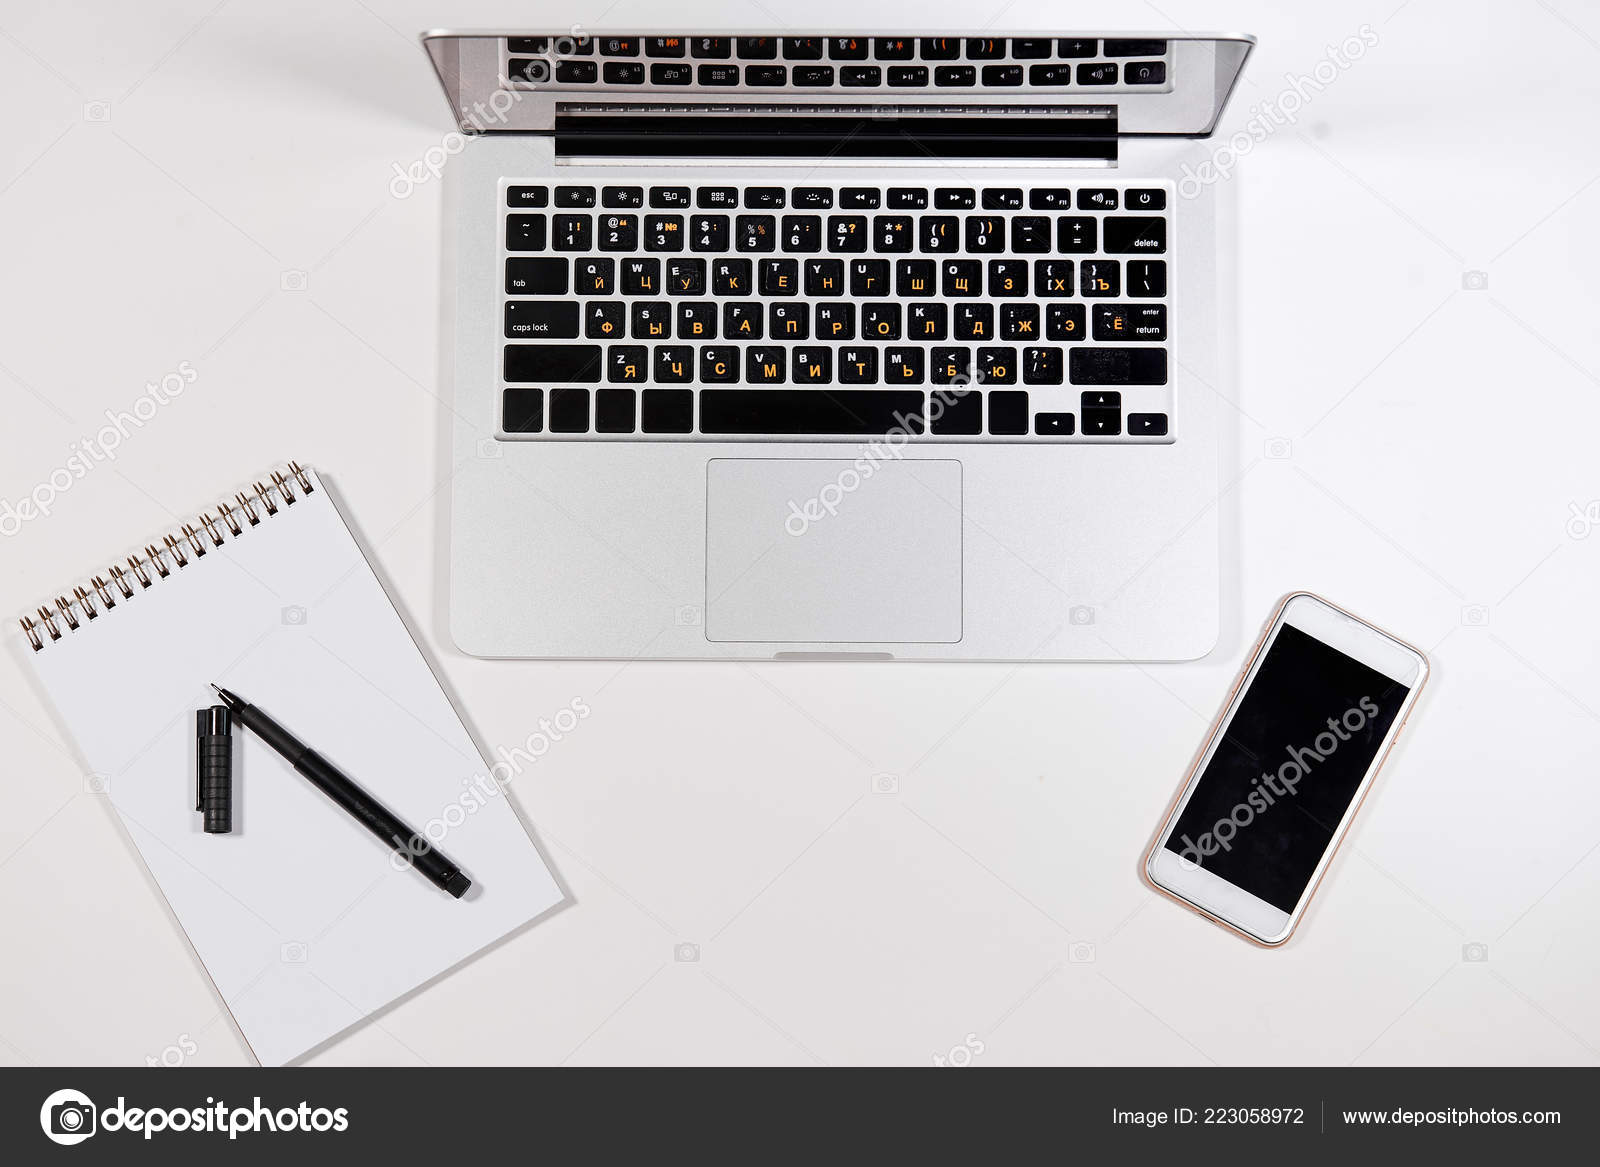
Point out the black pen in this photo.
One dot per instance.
(368, 811)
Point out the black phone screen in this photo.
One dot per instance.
(1273, 792)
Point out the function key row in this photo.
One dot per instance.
(822, 198)
(837, 48)
(726, 74)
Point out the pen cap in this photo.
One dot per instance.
(214, 768)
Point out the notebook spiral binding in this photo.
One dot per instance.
(69, 613)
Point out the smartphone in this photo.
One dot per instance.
(1308, 723)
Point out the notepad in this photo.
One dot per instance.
(304, 921)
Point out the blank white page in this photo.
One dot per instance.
(301, 917)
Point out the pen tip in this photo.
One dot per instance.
(216, 686)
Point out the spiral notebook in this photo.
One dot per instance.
(305, 922)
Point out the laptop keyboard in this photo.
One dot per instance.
(650, 311)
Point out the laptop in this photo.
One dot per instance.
(886, 346)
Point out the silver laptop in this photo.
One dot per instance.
(882, 346)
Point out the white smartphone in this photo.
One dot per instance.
(1306, 727)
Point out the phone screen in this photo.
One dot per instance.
(1276, 787)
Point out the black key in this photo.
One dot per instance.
(718, 365)
(802, 48)
(575, 46)
(892, 232)
(766, 74)
(575, 72)
(914, 277)
(908, 75)
(627, 363)
(522, 411)
(741, 321)
(1092, 365)
(1008, 277)
(686, 277)
(574, 196)
(1144, 73)
(758, 48)
(927, 322)
(755, 233)
(1077, 48)
(717, 197)
(541, 319)
(1019, 322)
(663, 46)
(619, 232)
(1147, 425)
(893, 48)
(789, 321)
(800, 411)
(604, 320)
(672, 74)
(869, 277)
(614, 411)
(913, 198)
(532, 69)
(1114, 321)
(813, 366)
(719, 75)
(666, 411)
(1145, 199)
(940, 233)
(527, 196)
(802, 233)
(1052, 277)
(955, 198)
(641, 277)
(861, 198)
(951, 366)
(573, 232)
(1075, 236)
(765, 365)
(956, 411)
(525, 232)
(986, 48)
(880, 321)
(836, 321)
(1100, 399)
(824, 277)
(708, 232)
(1097, 199)
(962, 277)
(955, 76)
(569, 411)
(1042, 366)
(813, 75)
(811, 198)
(711, 47)
(619, 46)
(860, 76)
(1132, 48)
(663, 232)
(622, 196)
(1053, 424)
(847, 48)
(858, 366)
(1030, 234)
(1104, 73)
(974, 321)
(1002, 198)
(624, 72)
(595, 277)
(985, 233)
(697, 321)
(527, 44)
(764, 196)
(1101, 423)
(1050, 199)
(940, 48)
(779, 277)
(1024, 50)
(652, 320)
(662, 197)
(1142, 321)
(997, 366)
(903, 366)
(1008, 411)
(1049, 74)
(1100, 277)
(552, 362)
(731, 277)
(1147, 277)
(673, 364)
(1004, 75)
(1064, 322)
(848, 233)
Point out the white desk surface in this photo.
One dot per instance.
(211, 185)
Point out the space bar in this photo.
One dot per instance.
(810, 411)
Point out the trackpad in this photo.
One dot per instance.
(833, 550)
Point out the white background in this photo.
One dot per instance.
(1409, 446)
